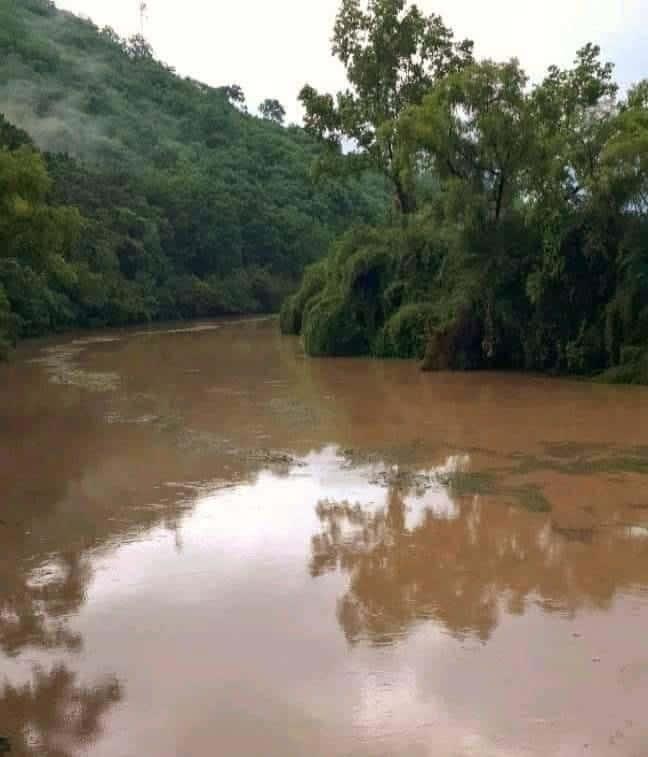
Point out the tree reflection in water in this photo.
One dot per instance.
(35, 607)
(463, 567)
(53, 715)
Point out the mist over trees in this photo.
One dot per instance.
(518, 235)
(130, 194)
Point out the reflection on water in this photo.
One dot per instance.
(34, 613)
(52, 715)
(210, 545)
(464, 560)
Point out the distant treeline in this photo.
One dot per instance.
(518, 237)
(128, 193)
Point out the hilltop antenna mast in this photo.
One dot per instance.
(143, 7)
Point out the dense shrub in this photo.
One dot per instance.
(331, 327)
(406, 333)
(312, 284)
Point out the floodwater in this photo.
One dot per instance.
(212, 545)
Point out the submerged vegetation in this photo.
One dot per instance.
(518, 235)
(128, 193)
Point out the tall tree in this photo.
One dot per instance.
(573, 111)
(475, 124)
(625, 156)
(272, 110)
(234, 93)
(392, 53)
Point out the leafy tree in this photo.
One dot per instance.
(273, 110)
(476, 127)
(392, 55)
(625, 153)
(35, 239)
(235, 95)
(527, 247)
(138, 48)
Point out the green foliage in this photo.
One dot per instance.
(405, 333)
(273, 110)
(456, 345)
(526, 241)
(367, 296)
(332, 328)
(36, 239)
(140, 195)
(292, 310)
(633, 368)
(5, 324)
(475, 126)
(392, 54)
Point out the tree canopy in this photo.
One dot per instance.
(393, 54)
(527, 236)
(273, 110)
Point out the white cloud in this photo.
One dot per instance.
(272, 49)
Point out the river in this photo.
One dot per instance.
(213, 545)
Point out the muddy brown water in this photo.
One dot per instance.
(212, 545)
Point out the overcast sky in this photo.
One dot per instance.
(272, 48)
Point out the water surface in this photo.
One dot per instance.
(211, 545)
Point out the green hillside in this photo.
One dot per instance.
(136, 194)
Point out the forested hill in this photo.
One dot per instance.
(128, 193)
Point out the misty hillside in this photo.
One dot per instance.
(188, 206)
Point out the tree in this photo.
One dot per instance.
(392, 55)
(35, 242)
(475, 124)
(234, 93)
(31, 230)
(11, 137)
(625, 156)
(111, 35)
(573, 111)
(272, 110)
(138, 48)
